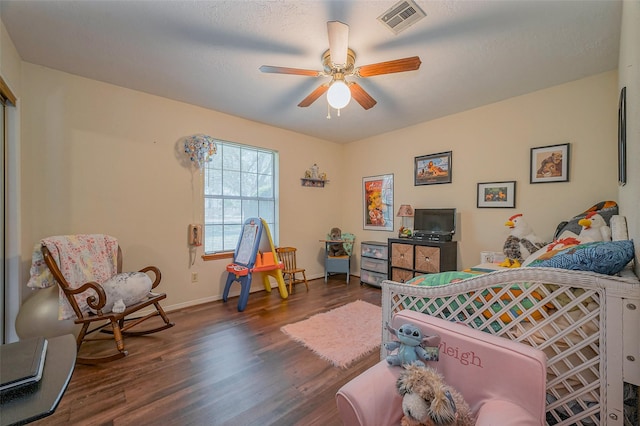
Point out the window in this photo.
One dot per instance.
(240, 182)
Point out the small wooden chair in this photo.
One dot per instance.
(112, 322)
(287, 255)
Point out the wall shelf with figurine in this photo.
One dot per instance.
(313, 178)
(316, 183)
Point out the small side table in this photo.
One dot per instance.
(30, 403)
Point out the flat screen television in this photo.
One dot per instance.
(437, 224)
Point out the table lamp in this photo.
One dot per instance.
(405, 211)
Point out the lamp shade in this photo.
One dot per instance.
(338, 94)
(405, 210)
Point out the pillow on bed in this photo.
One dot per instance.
(606, 209)
(565, 240)
(603, 257)
(442, 278)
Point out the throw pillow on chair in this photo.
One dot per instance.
(130, 287)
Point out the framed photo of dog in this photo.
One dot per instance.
(550, 163)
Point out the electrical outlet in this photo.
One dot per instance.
(194, 277)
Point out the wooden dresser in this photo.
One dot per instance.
(411, 257)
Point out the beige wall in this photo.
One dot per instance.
(100, 158)
(630, 78)
(9, 60)
(113, 166)
(492, 144)
(103, 159)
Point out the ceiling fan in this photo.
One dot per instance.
(339, 62)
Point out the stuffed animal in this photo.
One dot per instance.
(594, 228)
(522, 241)
(410, 349)
(336, 249)
(427, 400)
(606, 209)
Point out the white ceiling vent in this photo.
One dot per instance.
(401, 16)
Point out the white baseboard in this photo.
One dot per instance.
(190, 303)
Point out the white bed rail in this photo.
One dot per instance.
(588, 325)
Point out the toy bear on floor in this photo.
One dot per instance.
(410, 346)
(427, 400)
(337, 249)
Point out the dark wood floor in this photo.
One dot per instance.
(218, 366)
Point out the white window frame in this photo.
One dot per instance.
(236, 190)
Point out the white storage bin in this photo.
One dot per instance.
(373, 278)
(374, 265)
(375, 251)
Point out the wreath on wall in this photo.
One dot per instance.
(200, 149)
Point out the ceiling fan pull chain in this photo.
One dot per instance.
(338, 113)
(328, 111)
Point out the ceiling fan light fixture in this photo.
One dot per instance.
(338, 94)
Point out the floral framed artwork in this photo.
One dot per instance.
(550, 163)
(432, 169)
(377, 192)
(497, 194)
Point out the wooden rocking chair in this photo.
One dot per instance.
(113, 322)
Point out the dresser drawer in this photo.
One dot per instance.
(401, 275)
(373, 278)
(402, 255)
(427, 259)
(377, 251)
(375, 265)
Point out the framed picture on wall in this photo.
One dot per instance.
(622, 137)
(550, 164)
(377, 194)
(497, 194)
(432, 169)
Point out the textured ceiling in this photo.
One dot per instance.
(207, 53)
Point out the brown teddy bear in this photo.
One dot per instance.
(336, 249)
(428, 401)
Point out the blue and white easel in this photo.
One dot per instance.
(255, 252)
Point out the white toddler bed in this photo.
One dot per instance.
(587, 323)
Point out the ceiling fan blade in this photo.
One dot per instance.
(285, 70)
(320, 90)
(389, 67)
(338, 41)
(362, 97)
